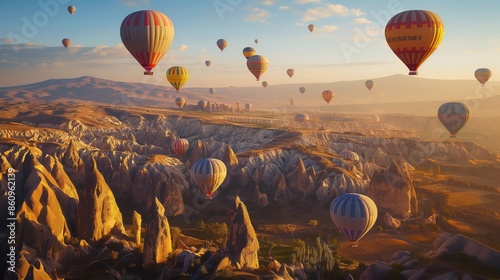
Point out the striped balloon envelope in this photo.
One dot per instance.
(147, 35)
(180, 146)
(453, 116)
(208, 174)
(327, 95)
(482, 75)
(413, 36)
(180, 102)
(257, 64)
(350, 155)
(354, 215)
(248, 52)
(177, 76)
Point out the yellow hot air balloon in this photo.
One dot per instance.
(311, 27)
(369, 84)
(248, 52)
(483, 75)
(180, 146)
(257, 64)
(328, 95)
(208, 63)
(147, 35)
(211, 90)
(66, 42)
(265, 84)
(208, 174)
(179, 101)
(177, 76)
(290, 72)
(413, 36)
(222, 44)
(71, 9)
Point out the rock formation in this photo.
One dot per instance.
(98, 214)
(392, 190)
(73, 164)
(157, 240)
(136, 227)
(299, 180)
(391, 222)
(242, 244)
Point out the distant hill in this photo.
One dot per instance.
(393, 94)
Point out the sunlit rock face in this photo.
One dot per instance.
(242, 244)
(157, 240)
(392, 190)
(98, 214)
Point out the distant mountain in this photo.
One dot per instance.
(392, 94)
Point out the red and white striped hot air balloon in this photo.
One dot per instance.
(180, 146)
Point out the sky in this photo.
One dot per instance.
(348, 43)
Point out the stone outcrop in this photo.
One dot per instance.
(242, 244)
(392, 190)
(391, 222)
(136, 227)
(299, 180)
(98, 214)
(157, 240)
(73, 164)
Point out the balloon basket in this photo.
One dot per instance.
(149, 73)
(413, 73)
(354, 245)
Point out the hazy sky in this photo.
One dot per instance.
(348, 43)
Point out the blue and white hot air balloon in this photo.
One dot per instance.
(354, 215)
(208, 174)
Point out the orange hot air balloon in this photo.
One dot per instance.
(369, 84)
(222, 44)
(257, 64)
(265, 84)
(482, 75)
(147, 35)
(290, 72)
(413, 36)
(311, 27)
(66, 42)
(71, 9)
(179, 101)
(328, 95)
(180, 146)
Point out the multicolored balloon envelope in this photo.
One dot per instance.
(66, 42)
(180, 146)
(202, 104)
(311, 27)
(453, 116)
(354, 215)
(257, 64)
(222, 44)
(147, 35)
(208, 174)
(248, 52)
(177, 76)
(482, 75)
(179, 101)
(327, 95)
(71, 9)
(413, 36)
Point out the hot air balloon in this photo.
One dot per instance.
(292, 101)
(354, 215)
(177, 76)
(208, 63)
(350, 155)
(202, 104)
(256, 41)
(302, 90)
(311, 27)
(222, 44)
(328, 95)
(257, 64)
(238, 104)
(147, 35)
(413, 36)
(290, 72)
(211, 90)
(369, 84)
(248, 106)
(248, 52)
(453, 116)
(180, 146)
(265, 84)
(179, 101)
(301, 118)
(71, 9)
(483, 75)
(66, 42)
(208, 174)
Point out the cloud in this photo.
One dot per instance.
(326, 29)
(283, 8)
(135, 3)
(361, 20)
(7, 40)
(269, 2)
(330, 10)
(182, 48)
(307, 1)
(258, 14)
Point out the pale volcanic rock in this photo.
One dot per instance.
(73, 164)
(157, 240)
(98, 214)
(392, 190)
(230, 159)
(199, 151)
(136, 227)
(299, 180)
(242, 244)
(391, 222)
